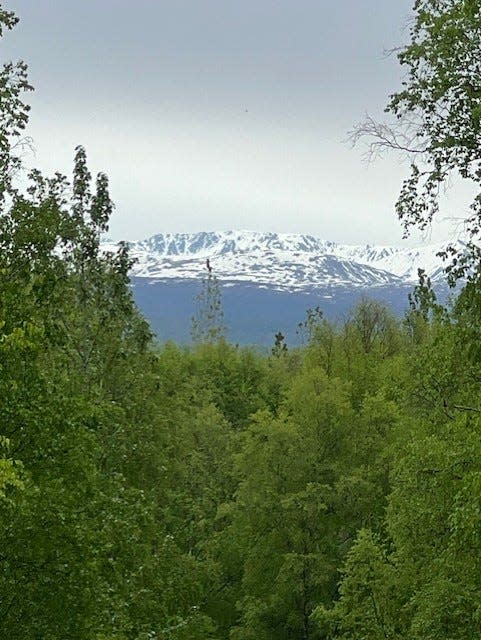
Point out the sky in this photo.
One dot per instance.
(220, 114)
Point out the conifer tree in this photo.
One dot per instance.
(208, 321)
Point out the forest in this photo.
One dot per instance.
(159, 492)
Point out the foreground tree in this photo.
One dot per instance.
(438, 118)
(415, 575)
(13, 111)
(85, 551)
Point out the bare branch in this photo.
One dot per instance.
(463, 408)
(381, 137)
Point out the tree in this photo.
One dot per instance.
(374, 326)
(438, 119)
(280, 347)
(13, 111)
(208, 322)
(369, 596)
(310, 477)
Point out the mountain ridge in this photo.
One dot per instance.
(280, 260)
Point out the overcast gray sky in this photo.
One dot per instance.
(219, 114)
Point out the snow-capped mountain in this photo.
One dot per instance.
(280, 260)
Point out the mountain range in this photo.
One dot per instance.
(268, 280)
(280, 260)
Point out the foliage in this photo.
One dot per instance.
(437, 121)
(13, 111)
